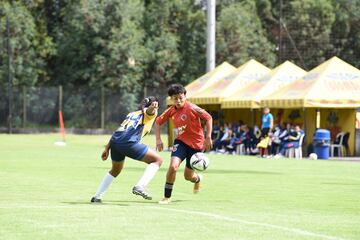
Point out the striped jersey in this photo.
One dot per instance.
(135, 126)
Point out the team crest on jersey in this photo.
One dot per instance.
(183, 117)
(174, 148)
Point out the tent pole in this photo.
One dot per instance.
(318, 118)
(305, 125)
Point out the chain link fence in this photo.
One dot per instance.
(82, 107)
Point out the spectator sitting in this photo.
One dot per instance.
(275, 140)
(293, 141)
(218, 144)
(284, 135)
(222, 131)
(215, 132)
(249, 140)
(225, 140)
(257, 133)
(237, 139)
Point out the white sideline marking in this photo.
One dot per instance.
(230, 219)
(211, 215)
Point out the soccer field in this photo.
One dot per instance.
(45, 192)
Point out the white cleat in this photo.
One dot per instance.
(165, 201)
(197, 185)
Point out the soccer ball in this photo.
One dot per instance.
(313, 156)
(199, 161)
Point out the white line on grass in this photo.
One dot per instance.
(210, 215)
(230, 219)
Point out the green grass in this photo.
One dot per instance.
(45, 192)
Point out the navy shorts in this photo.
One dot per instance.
(183, 151)
(265, 132)
(132, 150)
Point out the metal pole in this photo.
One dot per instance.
(102, 108)
(60, 98)
(210, 47)
(24, 107)
(10, 90)
(280, 32)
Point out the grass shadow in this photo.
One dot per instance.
(223, 171)
(141, 202)
(209, 171)
(131, 169)
(94, 204)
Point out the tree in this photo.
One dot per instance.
(161, 43)
(240, 36)
(345, 35)
(101, 43)
(309, 23)
(30, 48)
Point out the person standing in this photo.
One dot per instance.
(267, 122)
(125, 142)
(190, 140)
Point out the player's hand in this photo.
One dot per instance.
(152, 108)
(159, 145)
(208, 144)
(105, 154)
(154, 105)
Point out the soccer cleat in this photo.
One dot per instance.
(95, 200)
(197, 185)
(137, 190)
(165, 201)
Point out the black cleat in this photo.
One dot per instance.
(95, 200)
(141, 192)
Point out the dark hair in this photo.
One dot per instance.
(176, 89)
(146, 102)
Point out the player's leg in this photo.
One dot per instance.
(117, 165)
(170, 179)
(192, 176)
(108, 179)
(154, 160)
(189, 173)
(178, 154)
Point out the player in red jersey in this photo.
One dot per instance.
(187, 119)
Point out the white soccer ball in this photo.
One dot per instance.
(199, 161)
(313, 156)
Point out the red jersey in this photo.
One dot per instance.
(187, 121)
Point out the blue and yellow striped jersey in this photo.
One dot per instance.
(135, 126)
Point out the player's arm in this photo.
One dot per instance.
(105, 153)
(208, 140)
(152, 109)
(159, 121)
(204, 115)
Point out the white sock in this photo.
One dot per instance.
(104, 185)
(149, 173)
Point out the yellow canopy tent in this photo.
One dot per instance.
(211, 97)
(333, 86)
(250, 96)
(238, 79)
(207, 79)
